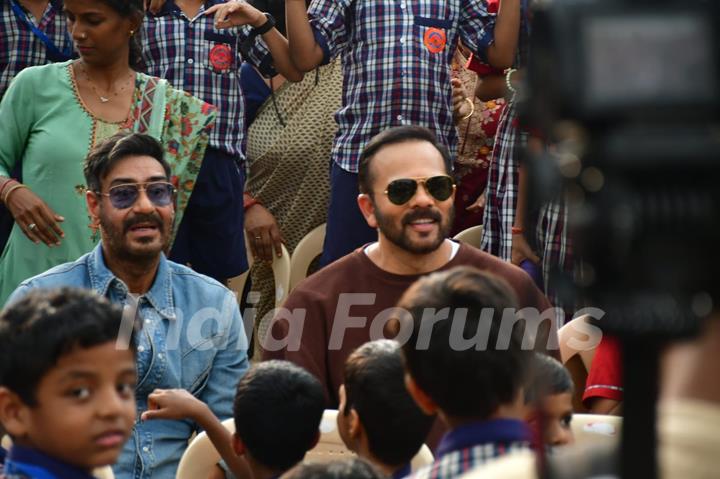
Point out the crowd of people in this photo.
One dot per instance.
(147, 146)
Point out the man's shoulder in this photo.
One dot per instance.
(470, 256)
(190, 282)
(74, 273)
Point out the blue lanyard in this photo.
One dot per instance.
(20, 468)
(54, 52)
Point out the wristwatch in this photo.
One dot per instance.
(265, 27)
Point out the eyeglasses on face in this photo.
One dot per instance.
(160, 193)
(400, 191)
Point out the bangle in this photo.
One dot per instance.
(249, 201)
(472, 109)
(517, 230)
(265, 27)
(11, 189)
(508, 82)
(5, 184)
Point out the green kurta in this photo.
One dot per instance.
(45, 125)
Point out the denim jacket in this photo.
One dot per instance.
(192, 337)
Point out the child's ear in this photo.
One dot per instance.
(424, 402)
(14, 413)
(355, 427)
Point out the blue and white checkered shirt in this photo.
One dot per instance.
(196, 57)
(396, 57)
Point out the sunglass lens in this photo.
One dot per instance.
(440, 187)
(400, 191)
(160, 193)
(123, 196)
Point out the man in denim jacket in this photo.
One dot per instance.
(191, 336)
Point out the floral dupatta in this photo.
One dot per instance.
(182, 124)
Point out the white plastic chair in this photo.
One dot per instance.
(471, 236)
(309, 248)
(281, 273)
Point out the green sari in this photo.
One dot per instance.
(45, 126)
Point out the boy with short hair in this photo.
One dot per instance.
(278, 408)
(67, 391)
(466, 367)
(377, 418)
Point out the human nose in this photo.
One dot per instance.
(111, 402)
(422, 198)
(143, 203)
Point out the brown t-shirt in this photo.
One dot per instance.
(332, 328)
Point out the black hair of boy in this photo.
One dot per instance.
(278, 408)
(38, 329)
(464, 382)
(350, 468)
(375, 387)
(547, 377)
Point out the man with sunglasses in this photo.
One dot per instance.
(407, 196)
(192, 333)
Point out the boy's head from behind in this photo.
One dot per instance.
(65, 388)
(459, 358)
(350, 468)
(278, 408)
(376, 411)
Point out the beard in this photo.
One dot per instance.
(114, 238)
(397, 235)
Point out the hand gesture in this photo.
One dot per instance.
(521, 250)
(233, 14)
(461, 107)
(36, 219)
(173, 404)
(263, 233)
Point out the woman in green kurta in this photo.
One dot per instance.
(48, 124)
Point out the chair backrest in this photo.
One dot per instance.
(596, 428)
(100, 473)
(200, 456)
(281, 273)
(309, 248)
(471, 236)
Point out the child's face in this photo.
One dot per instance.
(85, 407)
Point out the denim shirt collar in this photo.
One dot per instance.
(159, 296)
(481, 432)
(26, 461)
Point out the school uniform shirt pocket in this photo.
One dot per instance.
(433, 34)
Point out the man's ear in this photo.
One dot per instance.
(238, 445)
(367, 208)
(93, 205)
(424, 402)
(14, 413)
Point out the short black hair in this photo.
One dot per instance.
(393, 136)
(350, 468)
(375, 387)
(37, 330)
(278, 408)
(103, 157)
(547, 377)
(464, 380)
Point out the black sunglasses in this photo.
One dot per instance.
(400, 191)
(160, 193)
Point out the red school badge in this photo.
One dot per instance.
(435, 40)
(221, 57)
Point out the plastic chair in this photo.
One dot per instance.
(100, 473)
(281, 273)
(471, 236)
(309, 248)
(200, 456)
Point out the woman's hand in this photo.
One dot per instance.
(521, 250)
(233, 14)
(34, 217)
(263, 232)
(461, 107)
(478, 204)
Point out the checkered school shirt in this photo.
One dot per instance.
(20, 48)
(196, 57)
(396, 57)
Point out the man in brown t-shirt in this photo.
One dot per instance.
(407, 195)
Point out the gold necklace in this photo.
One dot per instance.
(104, 99)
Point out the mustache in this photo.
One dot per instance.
(422, 214)
(153, 219)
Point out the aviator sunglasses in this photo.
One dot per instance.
(400, 191)
(160, 193)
